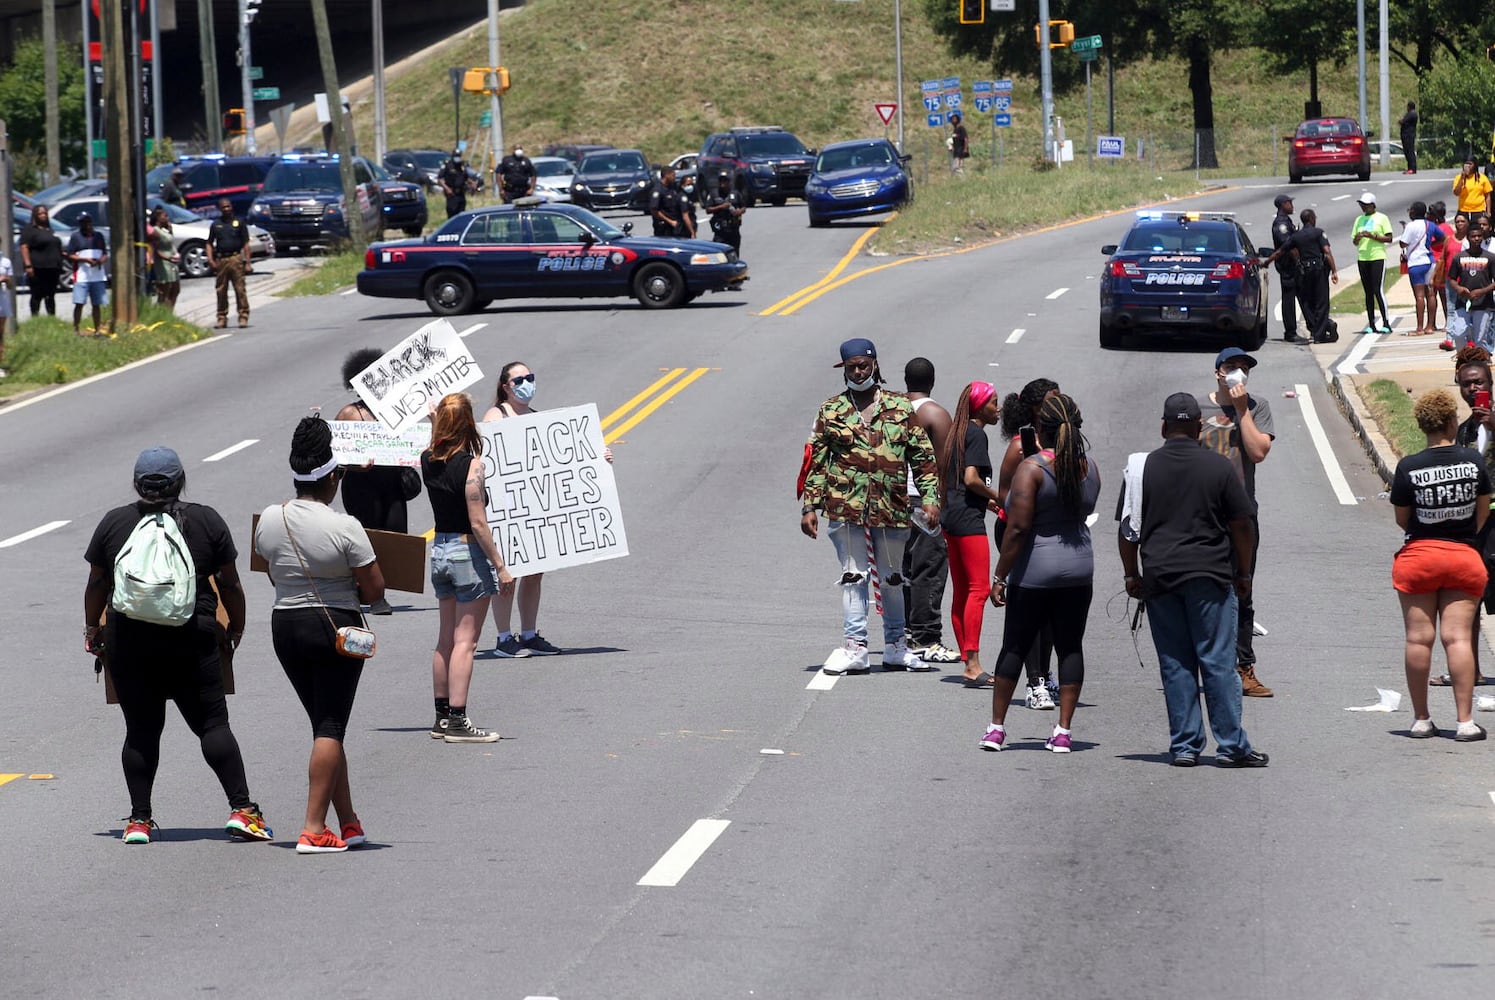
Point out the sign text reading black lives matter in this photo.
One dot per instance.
(552, 499)
(416, 373)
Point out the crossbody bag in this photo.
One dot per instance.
(354, 641)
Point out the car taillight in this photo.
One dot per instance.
(1356, 140)
(368, 260)
(1299, 143)
(1230, 269)
(1125, 269)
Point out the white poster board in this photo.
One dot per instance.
(552, 499)
(425, 366)
(357, 442)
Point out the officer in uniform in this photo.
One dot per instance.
(453, 181)
(669, 208)
(1283, 228)
(514, 176)
(724, 207)
(228, 256)
(171, 191)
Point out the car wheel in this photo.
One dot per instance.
(1295, 178)
(1110, 336)
(818, 221)
(195, 259)
(1255, 338)
(449, 293)
(659, 286)
(778, 202)
(479, 305)
(1363, 176)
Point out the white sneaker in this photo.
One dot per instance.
(848, 659)
(1469, 732)
(940, 653)
(897, 656)
(1039, 698)
(1423, 729)
(1052, 683)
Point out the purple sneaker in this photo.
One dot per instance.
(994, 738)
(1058, 742)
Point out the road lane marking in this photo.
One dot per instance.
(27, 536)
(658, 401)
(1056, 293)
(1016, 335)
(1492, 796)
(670, 869)
(1384, 184)
(629, 406)
(813, 290)
(13, 407)
(1321, 445)
(219, 456)
(1357, 353)
(351, 291)
(822, 681)
(472, 329)
(1339, 197)
(6, 779)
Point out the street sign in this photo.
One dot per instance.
(1002, 121)
(981, 86)
(1085, 44)
(1004, 5)
(485, 120)
(951, 83)
(1002, 102)
(952, 100)
(265, 93)
(256, 72)
(935, 119)
(931, 102)
(885, 111)
(929, 86)
(1088, 55)
(1110, 147)
(1002, 86)
(983, 103)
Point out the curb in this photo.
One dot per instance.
(1377, 448)
(207, 313)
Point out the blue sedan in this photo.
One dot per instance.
(860, 177)
(530, 249)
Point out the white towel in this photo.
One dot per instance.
(1131, 499)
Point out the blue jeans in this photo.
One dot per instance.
(1193, 628)
(1478, 331)
(850, 541)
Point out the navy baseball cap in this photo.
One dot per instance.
(1282, 199)
(856, 347)
(159, 462)
(1181, 406)
(1233, 352)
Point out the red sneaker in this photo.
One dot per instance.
(138, 831)
(353, 834)
(1447, 344)
(248, 824)
(325, 842)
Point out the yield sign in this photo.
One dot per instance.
(886, 111)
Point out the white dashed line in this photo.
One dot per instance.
(351, 291)
(1492, 796)
(1016, 335)
(472, 329)
(220, 455)
(1384, 184)
(1321, 443)
(670, 869)
(822, 681)
(1056, 293)
(1357, 353)
(1339, 197)
(26, 536)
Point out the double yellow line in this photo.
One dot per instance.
(787, 305)
(646, 402)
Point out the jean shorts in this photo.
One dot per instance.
(460, 569)
(86, 291)
(1420, 273)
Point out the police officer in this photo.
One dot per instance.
(515, 176)
(171, 190)
(724, 207)
(1283, 228)
(453, 181)
(669, 207)
(228, 257)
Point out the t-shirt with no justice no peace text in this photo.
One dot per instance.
(1441, 485)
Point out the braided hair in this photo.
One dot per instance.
(1018, 409)
(1471, 354)
(311, 448)
(1059, 425)
(952, 452)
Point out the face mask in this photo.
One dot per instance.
(1235, 377)
(524, 391)
(864, 384)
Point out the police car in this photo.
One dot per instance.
(531, 249)
(1184, 273)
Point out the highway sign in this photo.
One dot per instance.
(256, 72)
(485, 120)
(1002, 121)
(950, 83)
(1002, 86)
(929, 86)
(265, 93)
(1085, 44)
(981, 86)
(1002, 102)
(983, 103)
(1110, 147)
(886, 111)
(932, 102)
(936, 119)
(953, 99)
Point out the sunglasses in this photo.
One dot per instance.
(523, 378)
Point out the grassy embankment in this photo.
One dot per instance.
(1391, 407)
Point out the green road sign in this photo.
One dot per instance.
(1085, 44)
(265, 93)
(100, 148)
(256, 72)
(1087, 55)
(485, 120)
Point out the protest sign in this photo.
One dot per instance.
(356, 442)
(425, 366)
(552, 500)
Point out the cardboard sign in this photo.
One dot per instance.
(401, 558)
(425, 366)
(552, 500)
(225, 651)
(355, 442)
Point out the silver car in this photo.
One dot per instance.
(190, 230)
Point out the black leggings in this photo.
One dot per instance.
(325, 680)
(1064, 609)
(44, 281)
(153, 664)
(1372, 273)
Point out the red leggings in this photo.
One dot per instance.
(970, 564)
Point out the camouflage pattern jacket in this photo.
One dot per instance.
(858, 472)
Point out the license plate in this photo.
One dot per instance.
(1175, 312)
(1329, 149)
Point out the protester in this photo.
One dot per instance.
(863, 445)
(374, 494)
(926, 561)
(1045, 572)
(323, 570)
(7, 279)
(41, 259)
(228, 257)
(1187, 515)
(1471, 277)
(1473, 189)
(1416, 242)
(1472, 375)
(1442, 500)
(1019, 426)
(164, 258)
(151, 662)
(966, 476)
(1456, 319)
(959, 143)
(1441, 233)
(89, 254)
(463, 560)
(1371, 233)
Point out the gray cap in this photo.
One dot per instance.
(159, 463)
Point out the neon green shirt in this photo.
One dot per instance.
(1377, 224)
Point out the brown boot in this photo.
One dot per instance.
(1250, 686)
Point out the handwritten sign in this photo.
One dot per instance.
(355, 442)
(425, 366)
(552, 500)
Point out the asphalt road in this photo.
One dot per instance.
(881, 854)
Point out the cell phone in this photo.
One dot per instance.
(1029, 438)
(1482, 398)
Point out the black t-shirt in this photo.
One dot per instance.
(44, 244)
(965, 512)
(208, 539)
(514, 172)
(454, 176)
(723, 217)
(446, 485)
(958, 145)
(227, 237)
(1441, 486)
(1473, 270)
(1310, 243)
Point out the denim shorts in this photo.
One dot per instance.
(84, 291)
(460, 569)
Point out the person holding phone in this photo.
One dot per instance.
(1472, 189)
(1472, 278)
(1371, 234)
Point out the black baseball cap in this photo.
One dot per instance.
(1282, 199)
(1181, 406)
(856, 347)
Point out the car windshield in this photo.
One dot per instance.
(553, 168)
(614, 162)
(770, 144)
(858, 156)
(430, 159)
(303, 177)
(1341, 128)
(1170, 237)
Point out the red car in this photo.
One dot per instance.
(1328, 146)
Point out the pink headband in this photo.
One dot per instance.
(981, 394)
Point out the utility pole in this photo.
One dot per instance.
(206, 43)
(49, 72)
(352, 211)
(495, 103)
(89, 94)
(1046, 81)
(7, 218)
(1360, 52)
(898, 65)
(118, 138)
(381, 133)
(158, 109)
(247, 10)
(1385, 86)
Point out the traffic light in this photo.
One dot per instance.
(1066, 32)
(251, 8)
(501, 80)
(972, 11)
(475, 81)
(233, 121)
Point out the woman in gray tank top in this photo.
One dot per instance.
(1046, 568)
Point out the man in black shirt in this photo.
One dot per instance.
(228, 256)
(960, 146)
(453, 181)
(724, 208)
(515, 176)
(1307, 250)
(1472, 278)
(1283, 228)
(171, 190)
(1407, 125)
(669, 208)
(1188, 517)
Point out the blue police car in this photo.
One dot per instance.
(1184, 273)
(534, 249)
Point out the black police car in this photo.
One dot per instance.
(212, 177)
(534, 249)
(765, 161)
(301, 203)
(1184, 273)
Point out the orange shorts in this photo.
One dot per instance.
(1428, 565)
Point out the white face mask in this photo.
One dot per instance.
(864, 384)
(1235, 377)
(524, 391)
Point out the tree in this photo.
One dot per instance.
(1455, 109)
(1300, 34)
(23, 102)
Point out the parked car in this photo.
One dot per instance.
(765, 161)
(404, 203)
(190, 230)
(554, 176)
(575, 152)
(614, 178)
(213, 177)
(686, 175)
(418, 166)
(1395, 154)
(857, 178)
(302, 202)
(531, 249)
(1327, 146)
(61, 191)
(1192, 273)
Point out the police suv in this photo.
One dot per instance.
(1184, 273)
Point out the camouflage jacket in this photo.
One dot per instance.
(859, 471)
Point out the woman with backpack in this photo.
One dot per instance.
(162, 642)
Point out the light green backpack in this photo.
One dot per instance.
(154, 579)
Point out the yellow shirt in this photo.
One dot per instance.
(1475, 190)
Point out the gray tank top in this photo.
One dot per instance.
(1059, 552)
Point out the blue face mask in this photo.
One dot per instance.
(524, 391)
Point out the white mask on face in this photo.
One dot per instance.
(864, 384)
(1235, 377)
(524, 391)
